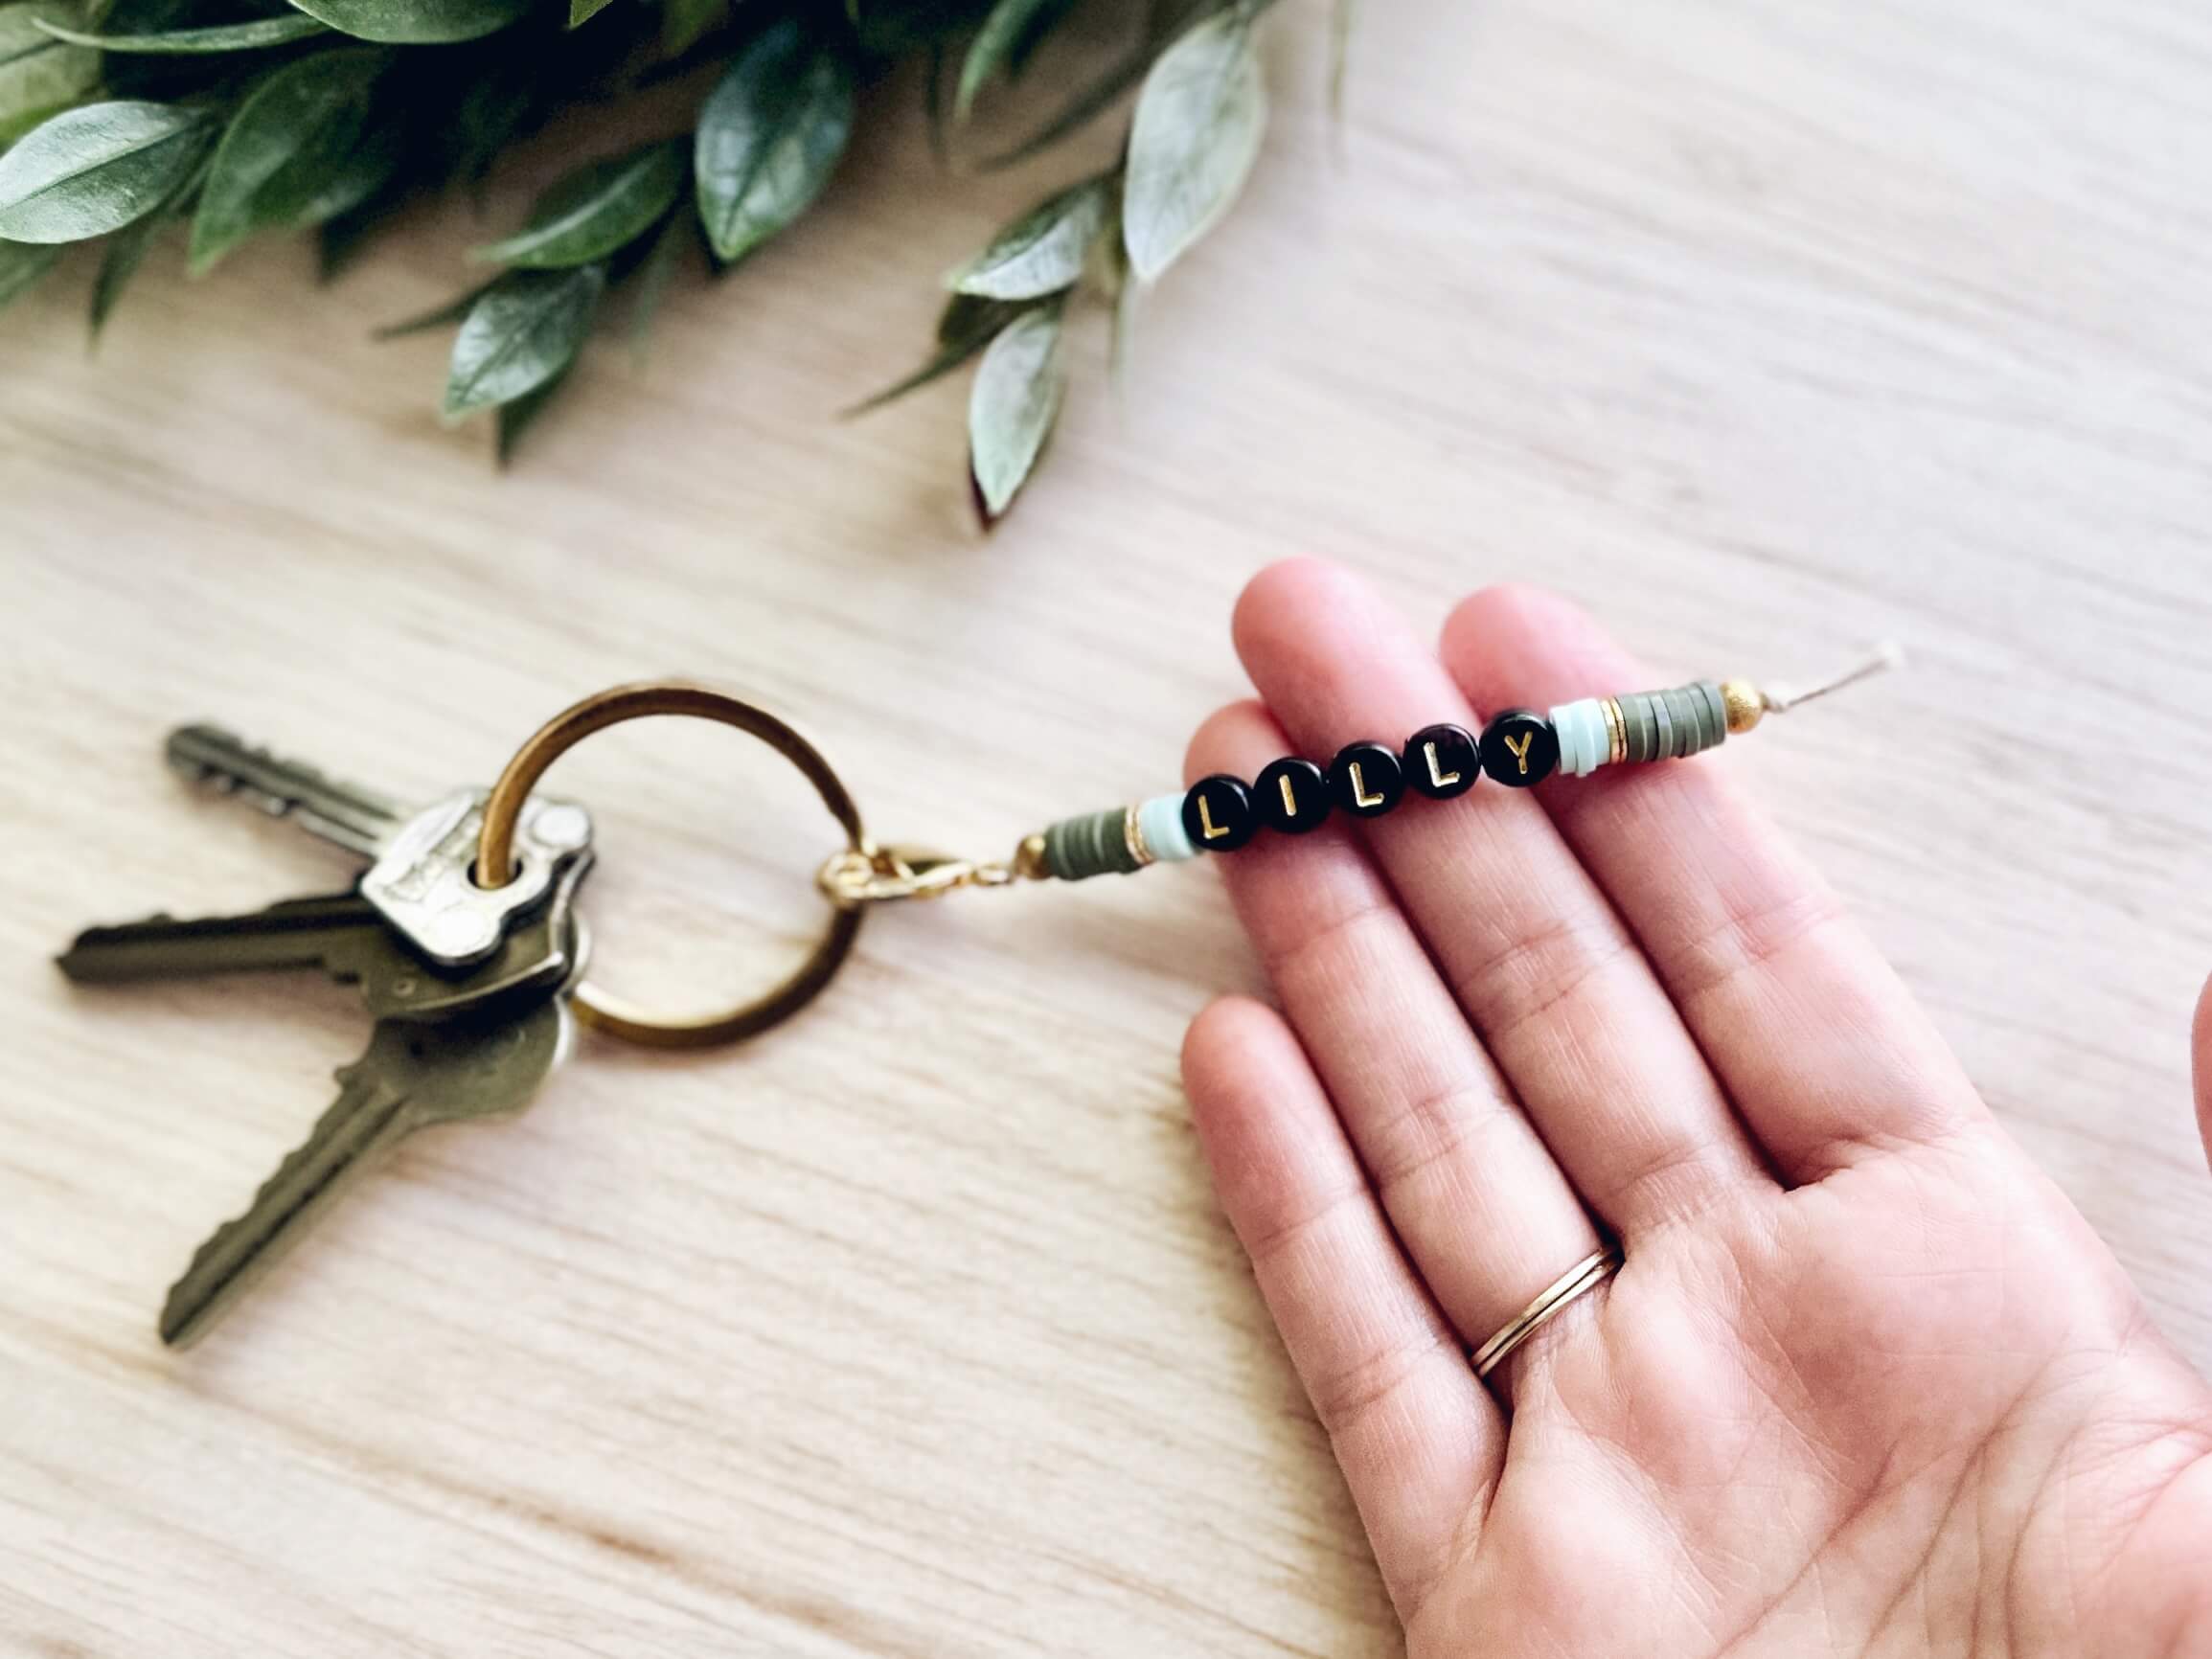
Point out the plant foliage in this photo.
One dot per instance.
(246, 117)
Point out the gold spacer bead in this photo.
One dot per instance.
(1029, 859)
(1744, 704)
(1133, 838)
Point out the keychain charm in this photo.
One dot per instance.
(1519, 749)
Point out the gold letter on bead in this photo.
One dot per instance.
(1211, 830)
(1442, 780)
(1359, 795)
(1518, 752)
(1289, 801)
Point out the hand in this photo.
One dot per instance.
(1867, 1383)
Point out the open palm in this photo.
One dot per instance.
(1867, 1383)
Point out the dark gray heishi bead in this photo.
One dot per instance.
(1675, 723)
(1095, 844)
(1716, 712)
(1643, 731)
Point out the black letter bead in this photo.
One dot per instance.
(1290, 795)
(1217, 814)
(1441, 761)
(1366, 778)
(1520, 748)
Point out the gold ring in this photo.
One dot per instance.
(1585, 1275)
(495, 849)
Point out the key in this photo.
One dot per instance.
(414, 1075)
(357, 819)
(421, 878)
(343, 934)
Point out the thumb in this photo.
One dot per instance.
(2204, 1056)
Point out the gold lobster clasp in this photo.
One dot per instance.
(871, 874)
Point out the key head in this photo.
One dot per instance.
(483, 1065)
(426, 885)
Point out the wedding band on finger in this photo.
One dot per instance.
(1585, 1275)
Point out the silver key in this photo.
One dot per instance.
(357, 819)
(413, 1074)
(421, 878)
(425, 882)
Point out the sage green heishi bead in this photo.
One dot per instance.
(1095, 844)
(1670, 724)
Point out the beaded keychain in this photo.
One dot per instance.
(472, 983)
(1291, 796)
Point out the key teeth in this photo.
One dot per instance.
(190, 1302)
(218, 759)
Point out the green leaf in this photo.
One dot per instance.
(303, 149)
(21, 266)
(518, 416)
(184, 42)
(1042, 23)
(127, 250)
(1043, 251)
(527, 328)
(1007, 35)
(501, 104)
(1197, 132)
(769, 137)
(119, 262)
(583, 12)
(95, 170)
(38, 73)
(1122, 348)
(901, 28)
(414, 22)
(971, 317)
(1012, 406)
(685, 23)
(600, 207)
(966, 326)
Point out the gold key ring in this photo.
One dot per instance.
(857, 875)
(495, 849)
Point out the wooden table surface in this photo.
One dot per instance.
(912, 1329)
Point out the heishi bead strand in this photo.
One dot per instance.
(1519, 749)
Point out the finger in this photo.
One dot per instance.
(2204, 1069)
(1487, 1218)
(1536, 957)
(1418, 1441)
(1822, 1049)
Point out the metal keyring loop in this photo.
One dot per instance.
(495, 849)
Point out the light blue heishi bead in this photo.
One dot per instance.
(1585, 742)
(1160, 821)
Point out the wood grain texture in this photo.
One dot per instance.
(912, 1330)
